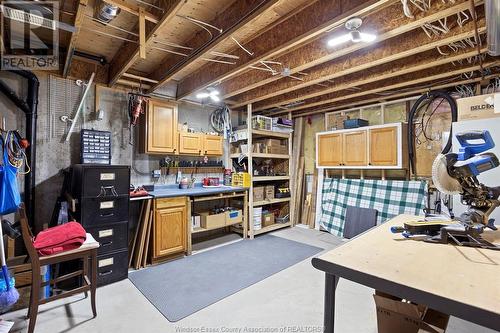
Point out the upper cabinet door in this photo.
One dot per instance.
(213, 145)
(161, 128)
(355, 145)
(384, 146)
(330, 150)
(190, 143)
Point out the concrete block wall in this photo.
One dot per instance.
(54, 154)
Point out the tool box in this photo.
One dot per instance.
(355, 123)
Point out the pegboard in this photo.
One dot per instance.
(63, 99)
(426, 149)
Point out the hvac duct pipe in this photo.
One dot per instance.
(30, 108)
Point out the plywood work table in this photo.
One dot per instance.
(460, 281)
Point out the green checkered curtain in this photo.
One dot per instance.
(388, 197)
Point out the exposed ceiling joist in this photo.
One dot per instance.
(134, 10)
(364, 101)
(388, 24)
(430, 75)
(310, 23)
(79, 17)
(387, 52)
(233, 18)
(129, 53)
(370, 75)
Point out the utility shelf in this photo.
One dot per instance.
(263, 155)
(270, 202)
(272, 227)
(270, 134)
(200, 229)
(277, 156)
(269, 178)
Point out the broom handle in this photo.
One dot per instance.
(2, 252)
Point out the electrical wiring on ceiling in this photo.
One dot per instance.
(241, 46)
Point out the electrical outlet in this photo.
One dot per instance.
(156, 173)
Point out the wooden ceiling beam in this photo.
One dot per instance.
(393, 69)
(366, 102)
(387, 24)
(403, 81)
(409, 44)
(79, 16)
(237, 15)
(129, 53)
(306, 25)
(134, 10)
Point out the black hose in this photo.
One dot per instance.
(431, 95)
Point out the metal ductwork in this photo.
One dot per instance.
(492, 8)
(106, 12)
(30, 108)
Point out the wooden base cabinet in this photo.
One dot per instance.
(371, 147)
(170, 227)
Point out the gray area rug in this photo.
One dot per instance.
(182, 287)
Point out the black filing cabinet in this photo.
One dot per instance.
(102, 193)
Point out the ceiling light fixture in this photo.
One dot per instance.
(211, 93)
(354, 35)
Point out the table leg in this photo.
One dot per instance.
(329, 316)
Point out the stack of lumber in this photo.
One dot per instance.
(297, 171)
(141, 244)
(309, 197)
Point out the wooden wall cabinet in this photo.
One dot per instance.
(213, 145)
(191, 143)
(170, 227)
(372, 147)
(330, 149)
(383, 146)
(355, 148)
(159, 130)
(199, 144)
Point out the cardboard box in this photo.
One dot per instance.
(278, 150)
(267, 219)
(234, 216)
(395, 315)
(479, 107)
(258, 193)
(269, 192)
(212, 221)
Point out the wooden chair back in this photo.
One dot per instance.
(27, 235)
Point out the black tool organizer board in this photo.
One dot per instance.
(95, 147)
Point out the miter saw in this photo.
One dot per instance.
(456, 173)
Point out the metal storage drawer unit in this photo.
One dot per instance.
(102, 193)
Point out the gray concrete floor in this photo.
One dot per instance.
(292, 298)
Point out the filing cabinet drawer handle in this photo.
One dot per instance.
(104, 191)
(106, 273)
(107, 243)
(107, 215)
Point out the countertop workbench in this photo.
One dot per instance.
(171, 191)
(456, 280)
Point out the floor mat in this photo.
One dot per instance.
(182, 287)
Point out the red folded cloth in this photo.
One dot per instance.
(64, 237)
